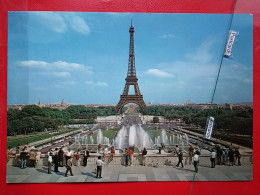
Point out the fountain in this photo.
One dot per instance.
(82, 140)
(133, 135)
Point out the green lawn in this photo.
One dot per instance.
(13, 141)
(155, 133)
(107, 133)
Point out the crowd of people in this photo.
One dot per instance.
(57, 156)
(225, 157)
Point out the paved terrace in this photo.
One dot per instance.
(119, 173)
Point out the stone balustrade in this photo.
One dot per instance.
(151, 160)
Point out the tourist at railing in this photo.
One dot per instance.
(56, 160)
(105, 153)
(61, 156)
(78, 158)
(85, 157)
(99, 148)
(131, 155)
(191, 154)
(32, 158)
(17, 155)
(237, 156)
(8, 153)
(225, 157)
(144, 153)
(112, 153)
(38, 156)
(230, 157)
(49, 161)
(23, 156)
(159, 150)
(126, 156)
(219, 156)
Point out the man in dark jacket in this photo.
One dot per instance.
(23, 156)
(85, 159)
(56, 160)
(180, 157)
(61, 155)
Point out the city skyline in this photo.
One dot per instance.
(83, 57)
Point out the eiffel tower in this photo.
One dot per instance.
(131, 79)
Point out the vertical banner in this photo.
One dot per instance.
(209, 127)
(230, 42)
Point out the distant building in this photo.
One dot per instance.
(63, 102)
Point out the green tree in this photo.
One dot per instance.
(156, 119)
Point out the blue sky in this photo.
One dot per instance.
(83, 57)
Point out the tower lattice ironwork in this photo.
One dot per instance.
(131, 79)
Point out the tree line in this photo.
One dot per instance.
(33, 118)
(237, 120)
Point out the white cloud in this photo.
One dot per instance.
(99, 84)
(159, 73)
(79, 25)
(58, 65)
(102, 84)
(55, 74)
(202, 54)
(167, 36)
(60, 22)
(51, 20)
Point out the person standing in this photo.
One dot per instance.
(231, 157)
(219, 156)
(177, 149)
(85, 157)
(126, 157)
(61, 154)
(9, 153)
(112, 153)
(32, 158)
(191, 153)
(99, 167)
(144, 153)
(38, 156)
(56, 160)
(180, 157)
(17, 155)
(238, 156)
(225, 157)
(69, 166)
(49, 161)
(23, 158)
(213, 158)
(99, 148)
(78, 158)
(159, 150)
(131, 155)
(105, 153)
(68, 155)
(196, 161)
